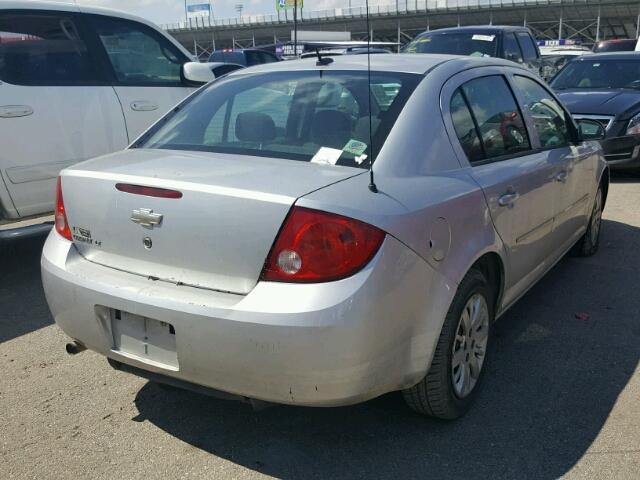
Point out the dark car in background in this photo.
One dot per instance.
(512, 43)
(247, 57)
(606, 87)
(616, 45)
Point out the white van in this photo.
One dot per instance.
(77, 82)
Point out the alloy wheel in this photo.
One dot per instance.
(470, 345)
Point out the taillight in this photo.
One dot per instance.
(62, 226)
(315, 246)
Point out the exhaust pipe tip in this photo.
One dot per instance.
(73, 348)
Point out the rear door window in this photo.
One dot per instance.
(138, 54)
(45, 49)
(528, 48)
(497, 117)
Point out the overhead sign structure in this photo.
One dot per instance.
(288, 4)
(199, 10)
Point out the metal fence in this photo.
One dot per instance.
(390, 8)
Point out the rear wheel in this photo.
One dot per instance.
(590, 241)
(450, 386)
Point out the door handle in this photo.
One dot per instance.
(143, 106)
(508, 199)
(14, 111)
(562, 177)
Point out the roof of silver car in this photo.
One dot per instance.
(418, 63)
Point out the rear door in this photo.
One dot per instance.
(492, 137)
(145, 67)
(56, 108)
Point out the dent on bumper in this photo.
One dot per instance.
(325, 344)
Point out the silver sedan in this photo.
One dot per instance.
(310, 233)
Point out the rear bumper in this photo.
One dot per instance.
(622, 152)
(33, 227)
(328, 344)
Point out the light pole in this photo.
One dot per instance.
(295, 27)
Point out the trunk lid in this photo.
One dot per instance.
(216, 236)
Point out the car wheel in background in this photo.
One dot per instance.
(590, 241)
(451, 384)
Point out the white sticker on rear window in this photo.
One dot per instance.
(326, 155)
(484, 38)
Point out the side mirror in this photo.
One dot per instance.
(590, 129)
(196, 74)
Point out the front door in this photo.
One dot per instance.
(146, 69)
(573, 173)
(55, 109)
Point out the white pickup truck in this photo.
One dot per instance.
(77, 82)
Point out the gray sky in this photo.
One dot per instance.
(170, 11)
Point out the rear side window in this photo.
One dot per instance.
(44, 49)
(548, 117)
(465, 128)
(528, 48)
(138, 54)
(497, 118)
(511, 48)
(317, 116)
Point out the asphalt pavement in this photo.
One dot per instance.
(560, 398)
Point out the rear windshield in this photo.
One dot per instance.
(615, 46)
(228, 57)
(459, 43)
(316, 116)
(590, 74)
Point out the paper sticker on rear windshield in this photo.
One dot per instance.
(326, 155)
(484, 38)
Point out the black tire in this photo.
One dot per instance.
(434, 395)
(590, 241)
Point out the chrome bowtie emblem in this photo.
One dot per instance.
(146, 217)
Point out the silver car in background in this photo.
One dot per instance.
(242, 244)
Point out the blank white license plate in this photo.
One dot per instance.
(146, 339)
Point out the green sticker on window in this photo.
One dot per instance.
(354, 147)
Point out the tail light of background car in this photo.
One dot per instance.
(315, 246)
(62, 225)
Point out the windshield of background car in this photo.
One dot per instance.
(317, 116)
(590, 74)
(473, 44)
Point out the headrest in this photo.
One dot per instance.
(331, 128)
(255, 127)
